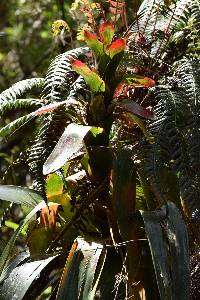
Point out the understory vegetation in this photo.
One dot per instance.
(108, 158)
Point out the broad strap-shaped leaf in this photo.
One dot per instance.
(20, 195)
(131, 119)
(68, 147)
(20, 274)
(116, 47)
(169, 247)
(135, 108)
(124, 203)
(93, 43)
(81, 274)
(9, 247)
(94, 81)
(136, 80)
(124, 190)
(51, 107)
(106, 32)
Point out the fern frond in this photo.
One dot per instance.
(171, 145)
(195, 10)
(60, 75)
(188, 72)
(51, 128)
(61, 83)
(147, 14)
(154, 27)
(8, 98)
(20, 103)
(16, 124)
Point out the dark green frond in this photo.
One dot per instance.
(171, 148)
(16, 124)
(51, 128)
(195, 9)
(20, 103)
(9, 98)
(60, 75)
(189, 74)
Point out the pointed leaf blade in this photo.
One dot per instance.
(106, 32)
(116, 47)
(16, 124)
(93, 43)
(79, 273)
(171, 263)
(20, 195)
(68, 146)
(7, 250)
(22, 276)
(92, 78)
(137, 109)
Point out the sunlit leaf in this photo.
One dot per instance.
(168, 242)
(68, 147)
(79, 273)
(139, 81)
(14, 226)
(91, 77)
(58, 25)
(93, 43)
(9, 247)
(116, 47)
(106, 32)
(20, 195)
(54, 185)
(47, 108)
(132, 119)
(20, 275)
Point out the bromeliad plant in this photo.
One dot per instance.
(115, 163)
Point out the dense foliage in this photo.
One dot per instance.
(111, 141)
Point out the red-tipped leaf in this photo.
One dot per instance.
(92, 78)
(106, 32)
(93, 43)
(116, 47)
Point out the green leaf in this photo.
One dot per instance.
(14, 226)
(96, 130)
(54, 185)
(133, 118)
(78, 279)
(94, 81)
(8, 249)
(139, 81)
(116, 47)
(68, 147)
(106, 32)
(93, 43)
(168, 242)
(20, 195)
